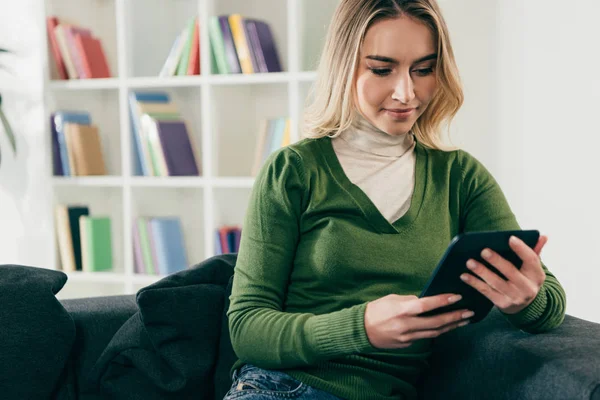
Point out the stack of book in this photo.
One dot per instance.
(77, 53)
(158, 246)
(184, 56)
(227, 239)
(76, 145)
(84, 241)
(272, 135)
(243, 45)
(162, 141)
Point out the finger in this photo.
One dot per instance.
(425, 304)
(540, 244)
(494, 296)
(437, 321)
(429, 334)
(515, 278)
(532, 266)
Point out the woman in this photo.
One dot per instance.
(344, 228)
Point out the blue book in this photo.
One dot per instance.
(60, 119)
(139, 167)
(56, 158)
(169, 244)
(218, 248)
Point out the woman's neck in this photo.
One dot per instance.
(366, 137)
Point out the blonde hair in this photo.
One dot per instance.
(333, 109)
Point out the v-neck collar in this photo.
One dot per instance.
(369, 209)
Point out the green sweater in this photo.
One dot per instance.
(315, 250)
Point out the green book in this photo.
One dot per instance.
(218, 46)
(182, 68)
(96, 243)
(145, 245)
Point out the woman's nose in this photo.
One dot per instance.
(404, 90)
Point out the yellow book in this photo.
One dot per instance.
(236, 23)
(286, 134)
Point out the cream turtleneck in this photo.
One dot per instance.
(381, 165)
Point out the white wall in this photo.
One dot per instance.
(25, 192)
(532, 96)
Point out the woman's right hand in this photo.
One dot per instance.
(392, 322)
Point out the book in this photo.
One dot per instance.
(57, 169)
(167, 233)
(93, 59)
(85, 150)
(76, 54)
(169, 68)
(236, 24)
(268, 47)
(229, 45)
(145, 245)
(178, 149)
(61, 69)
(182, 68)
(217, 45)
(194, 59)
(64, 239)
(96, 243)
(141, 164)
(61, 118)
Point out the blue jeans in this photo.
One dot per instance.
(253, 383)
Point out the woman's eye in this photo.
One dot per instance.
(424, 71)
(381, 71)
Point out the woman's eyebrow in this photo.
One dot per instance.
(394, 61)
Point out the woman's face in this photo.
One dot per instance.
(396, 79)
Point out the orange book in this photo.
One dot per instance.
(83, 142)
(194, 62)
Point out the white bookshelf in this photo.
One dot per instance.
(223, 112)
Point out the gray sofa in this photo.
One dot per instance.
(170, 341)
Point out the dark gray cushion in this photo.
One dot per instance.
(36, 332)
(227, 356)
(494, 360)
(96, 319)
(168, 349)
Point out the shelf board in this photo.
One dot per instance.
(139, 279)
(171, 181)
(171, 81)
(307, 76)
(182, 81)
(85, 84)
(233, 182)
(97, 277)
(244, 79)
(102, 181)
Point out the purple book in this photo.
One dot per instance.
(56, 163)
(267, 44)
(257, 54)
(177, 148)
(138, 257)
(253, 45)
(230, 50)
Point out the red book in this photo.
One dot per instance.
(51, 23)
(93, 58)
(194, 63)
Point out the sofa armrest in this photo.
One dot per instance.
(96, 319)
(494, 360)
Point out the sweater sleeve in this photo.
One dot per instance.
(484, 207)
(262, 333)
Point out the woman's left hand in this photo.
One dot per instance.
(522, 286)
